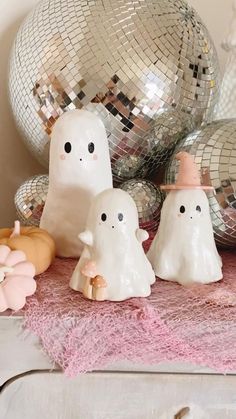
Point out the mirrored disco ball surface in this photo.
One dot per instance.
(30, 199)
(131, 58)
(148, 199)
(214, 148)
(166, 130)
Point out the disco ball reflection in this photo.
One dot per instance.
(214, 148)
(148, 199)
(30, 199)
(126, 61)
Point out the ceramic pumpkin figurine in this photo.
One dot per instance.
(36, 243)
(16, 279)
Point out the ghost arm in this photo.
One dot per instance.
(86, 237)
(141, 235)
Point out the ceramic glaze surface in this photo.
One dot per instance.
(16, 279)
(79, 169)
(184, 249)
(113, 249)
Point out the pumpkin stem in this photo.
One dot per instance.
(16, 231)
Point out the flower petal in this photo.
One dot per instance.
(15, 256)
(15, 300)
(4, 252)
(3, 303)
(22, 268)
(25, 285)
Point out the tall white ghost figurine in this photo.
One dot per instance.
(113, 265)
(184, 249)
(79, 169)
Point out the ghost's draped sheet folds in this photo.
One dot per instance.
(184, 249)
(113, 250)
(79, 169)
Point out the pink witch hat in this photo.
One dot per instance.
(188, 176)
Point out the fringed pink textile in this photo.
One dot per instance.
(196, 324)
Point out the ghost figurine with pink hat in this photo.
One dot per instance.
(184, 249)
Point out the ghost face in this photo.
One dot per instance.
(78, 148)
(113, 215)
(187, 210)
(70, 149)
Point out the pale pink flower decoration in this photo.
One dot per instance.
(16, 279)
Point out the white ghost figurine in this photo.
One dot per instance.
(113, 265)
(184, 249)
(79, 169)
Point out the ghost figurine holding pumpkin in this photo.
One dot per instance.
(184, 249)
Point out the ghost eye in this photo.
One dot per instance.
(103, 217)
(91, 147)
(120, 217)
(67, 147)
(198, 208)
(182, 209)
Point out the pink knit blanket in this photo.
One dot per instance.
(196, 324)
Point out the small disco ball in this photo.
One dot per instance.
(127, 166)
(166, 130)
(131, 59)
(214, 148)
(148, 199)
(30, 199)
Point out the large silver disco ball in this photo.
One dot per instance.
(214, 148)
(129, 58)
(30, 199)
(166, 130)
(148, 199)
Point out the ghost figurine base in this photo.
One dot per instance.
(184, 249)
(113, 265)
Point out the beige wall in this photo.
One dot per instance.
(216, 14)
(16, 164)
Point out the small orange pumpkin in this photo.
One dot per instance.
(36, 243)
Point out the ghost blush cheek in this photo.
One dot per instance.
(181, 210)
(91, 147)
(91, 150)
(67, 150)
